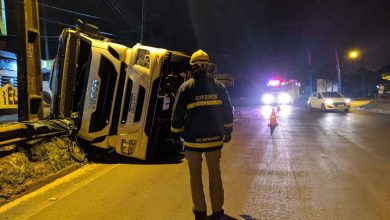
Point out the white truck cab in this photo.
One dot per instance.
(120, 97)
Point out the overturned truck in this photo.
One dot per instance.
(119, 97)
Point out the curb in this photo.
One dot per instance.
(373, 111)
(44, 181)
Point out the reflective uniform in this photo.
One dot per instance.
(202, 113)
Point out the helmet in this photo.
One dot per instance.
(199, 57)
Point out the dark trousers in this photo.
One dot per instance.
(215, 181)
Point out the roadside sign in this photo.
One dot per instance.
(8, 97)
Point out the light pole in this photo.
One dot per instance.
(338, 70)
(142, 22)
(353, 55)
(310, 72)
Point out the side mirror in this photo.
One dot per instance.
(88, 29)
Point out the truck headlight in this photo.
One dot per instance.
(347, 101)
(268, 99)
(284, 98)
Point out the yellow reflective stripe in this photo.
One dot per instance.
(203, 145)
(228, 125)
(176, 130)
(204, 103)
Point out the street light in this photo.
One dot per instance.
(353, 54)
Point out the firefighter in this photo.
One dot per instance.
(203, 117)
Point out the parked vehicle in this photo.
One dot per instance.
(329, 101)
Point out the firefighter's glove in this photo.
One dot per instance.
(227, 138)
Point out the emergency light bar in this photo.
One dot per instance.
(273, 83)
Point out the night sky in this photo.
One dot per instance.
(250, 39)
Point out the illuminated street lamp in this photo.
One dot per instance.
(353, 54)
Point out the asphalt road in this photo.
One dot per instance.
(332, 165)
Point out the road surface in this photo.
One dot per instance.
(332, 165)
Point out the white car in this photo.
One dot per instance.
(329, 101)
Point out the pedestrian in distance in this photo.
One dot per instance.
(203, 117)
(381, 90)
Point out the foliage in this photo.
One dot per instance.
(30, 162)
(385, 76)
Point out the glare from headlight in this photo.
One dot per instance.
(347, 100)
(284, 98)
(268, 99)
(328, 101)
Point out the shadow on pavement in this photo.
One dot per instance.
(109, 156)
(227, 217)
(247, 217)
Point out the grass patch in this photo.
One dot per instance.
(24, 164)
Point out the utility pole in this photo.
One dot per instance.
(29, 60)
(338, 70)
(142, 22)
(45, 37)
(310, 73)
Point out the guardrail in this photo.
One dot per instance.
(22, 132)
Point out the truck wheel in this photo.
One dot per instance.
(346, 110)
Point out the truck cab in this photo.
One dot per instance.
(281, 92)
(119, 97)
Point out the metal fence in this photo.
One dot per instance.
(8, 88)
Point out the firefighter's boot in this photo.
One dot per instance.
(200, 215)
(217, 215)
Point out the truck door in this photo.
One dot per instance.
(152, 78)
(139, 98)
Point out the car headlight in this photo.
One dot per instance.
(347, 101)
(329, 101)
(284, 98)
(268, 98)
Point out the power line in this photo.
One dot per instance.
(117, 9)
(69, 25)
(77, 13)
(74, 12)
(135, 30)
